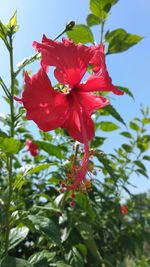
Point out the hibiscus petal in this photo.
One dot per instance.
(98, 58)
(76, 126)
(90, 102)
(46, 107)
(100, 80)
(32, 147)
(71, 60)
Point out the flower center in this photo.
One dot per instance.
(65, 89)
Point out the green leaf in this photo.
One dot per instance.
(13, 22)
(142, 172)
(140, 164)
(3, 32)
(82, 249)
(108, 126)
(51, 149)
(47, 227)
(125, 90)
(19, 181)
(145, 138)
(97, 141)
(39, 168)
(86, 234)
(15, 262)
(97, 8)
(28, 169)
(119, 40)
(17, 235)
(112, 111)
(145, 121)
(60, 200)
(127, 148)
(146, 157)
(43, 257)
(62, 264)
(100, 8)
(81, 34)
(134, 126)
(27, 60)
(92, 20)
(143, 143)
(3, 134)
(75, 258)
(85, 204)
(9, 145)
(3, 118)
(107, 165)
(126, 134)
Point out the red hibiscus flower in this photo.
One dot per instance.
(71, 107)
(124, 209)
(32, 147)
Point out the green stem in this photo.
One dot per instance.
(69, 26)
(3, 85)
(12, 89)
(59, 35)
(102, 32)
(36, 56)
(10, 158)
(27, 61)
(32, 59)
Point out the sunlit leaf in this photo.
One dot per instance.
(145, 120)
(134, 126)
(13, 22)
(39, 258)
(9, 145)
(92, 20)
(108, 126)
(119, 40)
(17, 235)
(81, 34)
(100, 8)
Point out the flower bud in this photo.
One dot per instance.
(70, 24)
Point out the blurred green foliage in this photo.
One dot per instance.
(45, 230)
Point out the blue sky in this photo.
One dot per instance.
(130, 69)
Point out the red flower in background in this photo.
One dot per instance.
(32, 147)
(124, 209)
(71, 107)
